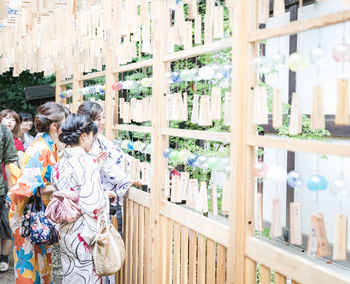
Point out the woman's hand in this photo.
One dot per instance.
(111, 194)
(101, 158)
(47, 189)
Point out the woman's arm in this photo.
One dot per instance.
(20, 159)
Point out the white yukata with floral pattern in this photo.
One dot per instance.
(77, 171)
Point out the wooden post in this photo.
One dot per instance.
(109, 95)
(159, 142)
(76, 86)
(241, 213)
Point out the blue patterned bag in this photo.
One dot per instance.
(43, 232)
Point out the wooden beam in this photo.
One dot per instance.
(199, 50)
(134, 128)
(300, 145)
(109, 94)
(291, 264)
(94, 75)
(140, 197)
(134, 66)
(196, 222)
(300, 26)
(197, 134)
(66, 82)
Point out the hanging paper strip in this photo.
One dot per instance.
(277, 116)
(192, 9)
(276, 228)
(138, 111)
(121, 108)
(317, 115)
(184, 180)
(3, 10)
(214, 200)
(218, 32)
(204, 197)
(171, 36)
(342, 115)
(145, 108)
(295, 224)
(263, 11)
(133, 108)
(260, 112)
(192, 193)
(187, 37)
(208, 28)
(259, 222)
(167, 184)
(318, 232)
(278, 8)
(346, 2)
(295, 126)
(227, 109)
(179, 107)
(204, 112)
(195, 109)
(169, 106)
(225, 201)
(198, 30)
(185, 107)
(215, 103)
(175, 181)
(180, 25)
(341, 238)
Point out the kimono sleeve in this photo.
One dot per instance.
(9, 152)
(36, 166)
(92, 199)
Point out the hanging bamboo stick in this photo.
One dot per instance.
(295, 224)
(263, 11)
(342, 115)
(295, 126)
(317, 115)
(277, 115)
(260, 113)
(276, 228)
(278, 8)
(341, 238)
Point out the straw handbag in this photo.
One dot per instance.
(108, 251)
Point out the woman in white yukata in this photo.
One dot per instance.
(115, 171)
(77, 173)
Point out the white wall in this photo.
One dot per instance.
(305, 162)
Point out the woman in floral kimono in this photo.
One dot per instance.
(32, 263)
(77, 175)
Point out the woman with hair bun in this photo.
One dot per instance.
(77, 176)
(115, 171)
(32, 263)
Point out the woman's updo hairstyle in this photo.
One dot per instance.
(90, 108)
(48, 113)
(74, 126)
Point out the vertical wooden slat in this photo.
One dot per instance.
(131, 241)
(201, 260)
(211, 255)
(193, 257)
(109, 94)
(135, 249)
(141, 243)
(176, 266)
(169, 251)
(148, 243)
(127, 240)
(115, 224)
(184, 255)
(159, 142)
(250, 276)
(280, 279)
(265, 275)
(163, 242)
(221, 265)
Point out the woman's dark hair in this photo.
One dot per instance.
(25, 116)
(16, 130)
(90, 108)
(48, 113)
(74, 126)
